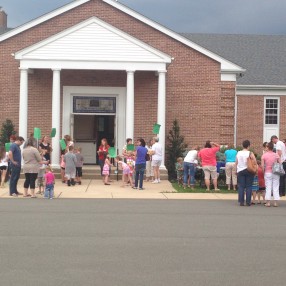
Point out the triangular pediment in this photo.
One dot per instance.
(93, 40)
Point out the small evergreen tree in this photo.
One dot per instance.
(6, 131)
(175, 148)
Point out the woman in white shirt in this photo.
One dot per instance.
(244, 177)
(189, 167)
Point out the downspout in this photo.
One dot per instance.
(235, 116)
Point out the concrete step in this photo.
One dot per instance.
(93, 172)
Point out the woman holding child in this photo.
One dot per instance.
(45, 145)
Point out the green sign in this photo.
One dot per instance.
(112, 152)
(63, 144)
(130, 147)
(53, 132)
(7, 146)
(156, 128)
(37, 133)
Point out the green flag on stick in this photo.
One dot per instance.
(7, 146)
(63, 144)
(53, 132)
(37, 133)
(112, 152)
(130, 147)
(156, 128)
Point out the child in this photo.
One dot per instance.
(49, 182)
(131, 163)
(149, 168)
(41, 173)
(180, 171)
(106, 169)
(125, 171)
(70, 169)
(63, 166)
(3, 164)
(255, 188)
(261, 191)
(78, 165)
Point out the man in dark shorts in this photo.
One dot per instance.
(16, 160)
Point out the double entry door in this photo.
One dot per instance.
(88, 130)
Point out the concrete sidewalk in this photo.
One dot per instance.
(95, 189)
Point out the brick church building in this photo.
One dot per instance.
(95, 68)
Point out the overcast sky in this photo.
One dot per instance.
(194, 16)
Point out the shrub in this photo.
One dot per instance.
(175, 148)
(6, 131)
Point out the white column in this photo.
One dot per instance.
(56, 119)
(161, 113)
(130, 105)
(23, 107)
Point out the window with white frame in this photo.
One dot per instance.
(271, 111)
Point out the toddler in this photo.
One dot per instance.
(63, 166)
(261, 182)
(70, 168)
(131, 163)
(106, 169)
(49, 182)
(180, 171)
(41, 173)
(126, 176)
(79, 164)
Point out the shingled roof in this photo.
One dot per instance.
(263, 57)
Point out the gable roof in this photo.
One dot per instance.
(95, 42)
(226, 65)
(262, 56)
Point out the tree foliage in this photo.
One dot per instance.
(175, 148)
(7, 130)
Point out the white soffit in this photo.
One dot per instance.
(93, 40)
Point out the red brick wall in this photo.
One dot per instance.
(195, 94)
(250, 120)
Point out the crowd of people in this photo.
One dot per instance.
(35, 158)
(133, 161)
(262, 181)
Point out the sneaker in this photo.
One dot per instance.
(51, 198)
(14, 195)
(159, 181)
(155, 182)
(141, 189)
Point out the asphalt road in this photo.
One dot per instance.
(140, 242)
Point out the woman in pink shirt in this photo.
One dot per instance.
(207, 156)
(271, 180)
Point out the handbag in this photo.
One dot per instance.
(147, 157)
(277, 169)
(251, 165)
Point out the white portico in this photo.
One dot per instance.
(91, 45)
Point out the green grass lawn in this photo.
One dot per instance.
(198, 189)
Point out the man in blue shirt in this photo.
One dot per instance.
(16, 160)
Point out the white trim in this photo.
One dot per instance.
(261, 90)
(91, 65)
(228, 77)
(118, 92)
(225, 64)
